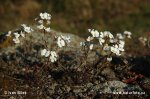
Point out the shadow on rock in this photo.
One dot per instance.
(141, 65)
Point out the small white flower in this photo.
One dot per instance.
(121, 48)
(53, 56)
(91, 46)
(16, 40)
(9, 33)
(43, 27)
(60, 42)
(121, 45)
(45, 52)
(48, 29)
(94, 33)
(82, 43)
(101, 34)
(26, 28)
(115, 50)
(17, 35)
(122, 42)
(40, 26)
(63, 40)
(89, 38)
(40, 21)
(112, 40)
(45, 16)
(108, 34)
(143, 40)
(128, 34)
(120, 36)
(109, 59)
(22, 34)
(66, 38)
(101, 41)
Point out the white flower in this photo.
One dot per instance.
(115, 50)
(143, 40)
(17, 35)
(112, 40)
(47, 29)
(109, 59)
(43, 27)
(45, 16)
(122, 42)
(120, 48)
(40, 26)
(89, 38)
(101, 34)
(91, 46)
(94, 33)
(16, 40)
(26, 28)
(53, 56)
(9, 33)
(108, 34)
(101, 41)
(40, 21)
(120, 36)
(128, 34)
(66, 38)
(22, 34)
(63, 40)
(60, 42)
(45, 52)
(82, 43)
(121, 45)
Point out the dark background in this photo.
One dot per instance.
(76, 16)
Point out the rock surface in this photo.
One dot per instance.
(37, 38)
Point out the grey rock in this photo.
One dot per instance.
(109, 73)
(114, 86)
(37, 38)
(118, 86)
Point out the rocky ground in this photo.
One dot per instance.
(74, 76)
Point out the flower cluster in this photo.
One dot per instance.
(101, 36)
(107, 41)
(26, 28)
(51, 54)
(63, 40)
(118, 48)
(20, 33)
(45, 16)
(44, 21)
